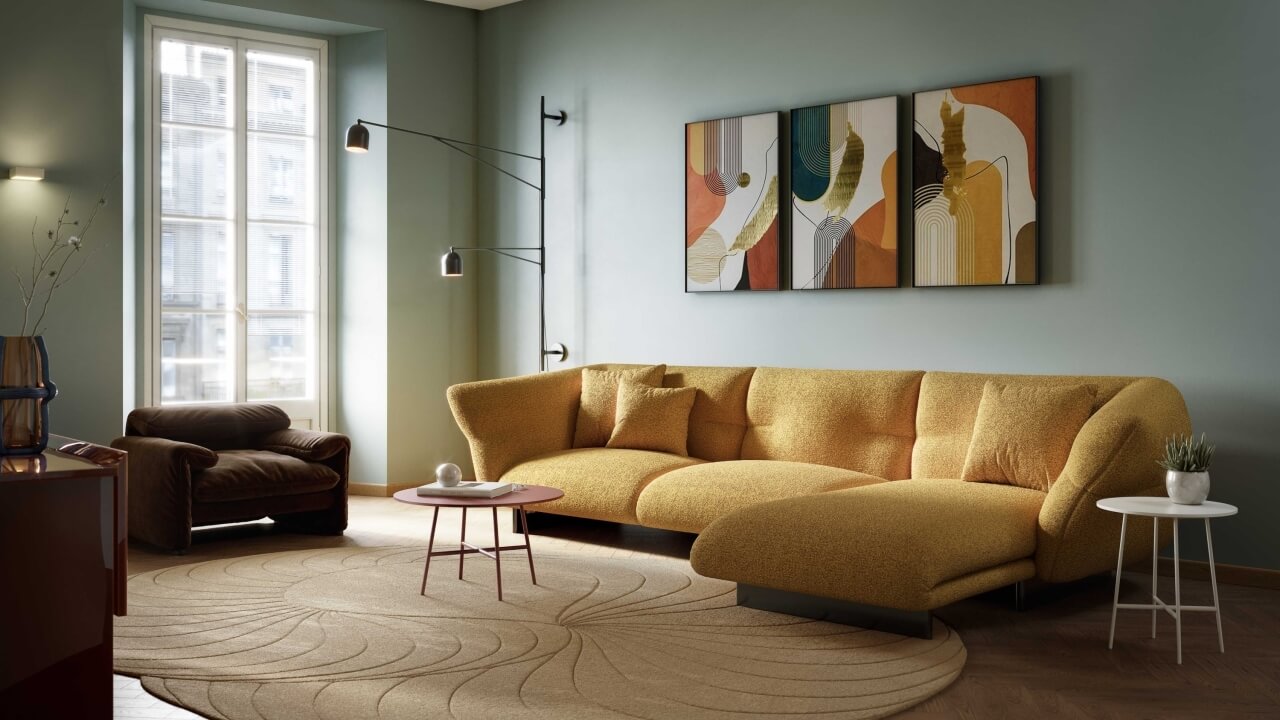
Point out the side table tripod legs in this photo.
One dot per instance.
(1115, 602)
(497, 553)
(1213, 582)
(462, 543)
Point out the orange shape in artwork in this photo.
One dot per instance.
(702, 206)
(762, 260)
(1016, 100)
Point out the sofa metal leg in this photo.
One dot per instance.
(1020, 595)
(903, 622)
(517, 522)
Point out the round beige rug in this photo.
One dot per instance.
(342, 634)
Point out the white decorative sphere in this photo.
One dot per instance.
(448, 474)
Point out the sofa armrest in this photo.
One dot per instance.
(309, 445)
(160, 488)
(511, 420)
(1114, 454)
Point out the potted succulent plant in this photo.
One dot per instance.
(1186, 461)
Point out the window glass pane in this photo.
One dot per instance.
(280, 93)
(196, 265)
(195, 172)
(281, 355)
(282, 268)
(195, 83)
(281, 178)
(196, 352)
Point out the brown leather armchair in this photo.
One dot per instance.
(200, 465)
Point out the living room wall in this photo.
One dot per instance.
(402, 335)
(1158, 160)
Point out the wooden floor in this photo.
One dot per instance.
(1050, 661)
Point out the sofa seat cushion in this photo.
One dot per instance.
(246, 474)
(598, 483)
(690, 498)
(908, 544)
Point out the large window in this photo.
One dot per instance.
(236, 238)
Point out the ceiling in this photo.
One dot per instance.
(476, 4)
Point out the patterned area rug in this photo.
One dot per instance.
(343, 634)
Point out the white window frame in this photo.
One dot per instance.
(241, 39)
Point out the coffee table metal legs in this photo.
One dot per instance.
(524, 523)
(1115, 601)
(426, 568)
(464, 548)
(462, 543)
(497, 554)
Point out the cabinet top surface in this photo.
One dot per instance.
(87, 461)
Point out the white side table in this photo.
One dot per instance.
(1156, 508)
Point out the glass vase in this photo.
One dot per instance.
(25, 394)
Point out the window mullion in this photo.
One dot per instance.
(242, 224)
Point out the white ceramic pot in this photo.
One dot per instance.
(1187, 488)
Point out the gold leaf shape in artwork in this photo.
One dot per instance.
(760, 222)
(847, 178)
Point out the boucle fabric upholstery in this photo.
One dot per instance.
(691, 498)
(652, 418)
(719, 417)
(510, 420)
(893, 544)
(598, 483)
(857, 420)
(1023, 433)
(597, 406)
(1114, 455)
(893, 425)
(949, 408)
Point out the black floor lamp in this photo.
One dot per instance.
(451, 263)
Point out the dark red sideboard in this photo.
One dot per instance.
(63, 572)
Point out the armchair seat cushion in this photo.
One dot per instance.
(598, 483)
(691, 498)
(246, 474)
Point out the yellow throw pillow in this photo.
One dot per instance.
(1023, 433)
(599, 398)
(652, 418)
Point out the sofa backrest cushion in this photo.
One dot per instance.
(719, 417)
(224, 426)
(861, 420)
(949, 408)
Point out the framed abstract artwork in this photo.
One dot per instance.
(731, 236)
(844, 195)
(973, 183)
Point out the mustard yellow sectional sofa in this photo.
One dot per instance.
(835, 484)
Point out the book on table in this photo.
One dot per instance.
(466, 490)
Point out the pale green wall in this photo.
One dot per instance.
(65, 109)
(1159, 163)
(61, 108)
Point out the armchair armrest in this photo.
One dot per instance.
(160, 487)
(309, 445)
(511, 420)
(1114, 454)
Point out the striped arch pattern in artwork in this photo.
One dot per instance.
(973, 181)
(844, 195)
(732, 236)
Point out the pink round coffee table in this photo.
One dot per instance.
(527, 495)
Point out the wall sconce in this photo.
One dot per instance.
(26, 173)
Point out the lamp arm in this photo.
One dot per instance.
(502, 251)
(453, 144)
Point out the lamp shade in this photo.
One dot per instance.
(358, 138)
(451, 264)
